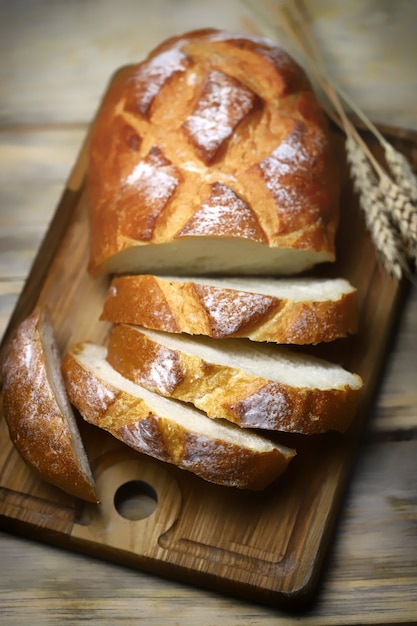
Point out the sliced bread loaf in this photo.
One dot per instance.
(253, 385)
(293, 311)
(168, 430)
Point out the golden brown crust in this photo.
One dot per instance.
(131, 419)
(38, 423)
(201, 309)
(236, 129)
(247, 399)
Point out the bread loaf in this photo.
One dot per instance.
(252, 385)
(173, 432)
(41, 422)
(212, 156)
(291, 311)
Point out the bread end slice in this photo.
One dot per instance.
(40, 419)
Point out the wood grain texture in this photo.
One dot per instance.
(370, 574)
(363, 582)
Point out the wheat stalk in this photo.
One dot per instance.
(388, 199)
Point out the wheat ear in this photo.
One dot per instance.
(372, 201)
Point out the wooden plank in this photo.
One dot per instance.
(75, 48)
(395, 408)
(34, 166)
(9, 294)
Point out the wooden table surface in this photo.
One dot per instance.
(56, 60)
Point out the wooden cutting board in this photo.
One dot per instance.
(268, 546)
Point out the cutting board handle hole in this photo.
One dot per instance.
(135, 500)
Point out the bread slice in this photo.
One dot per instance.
(168, 430)
(40, 419)
(292, 311)
(252, 385)
(212, 155)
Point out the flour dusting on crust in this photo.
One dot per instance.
(225, 317)
(154, 177)
(224, 103)
(289, 171)
(153, 74)
(224, 212)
